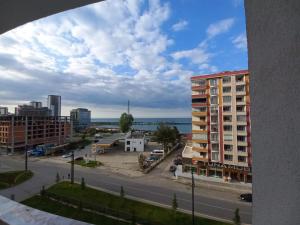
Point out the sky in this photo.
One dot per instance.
(102, 55)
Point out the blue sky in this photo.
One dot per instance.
(101, 55)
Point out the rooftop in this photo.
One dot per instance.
(220, 74)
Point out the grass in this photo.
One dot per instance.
(89, 163)
(147, 212)
(54, 207)
(13, 178)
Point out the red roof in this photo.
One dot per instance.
(225, 73)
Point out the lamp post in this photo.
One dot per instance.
(193, 186)
(72, 168)
(26, 158)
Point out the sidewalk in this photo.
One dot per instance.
(213, 183)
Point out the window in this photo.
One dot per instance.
(228, 157)
(214, 119)
(202, 127)
(241, 118)
(213, 82)
(214, 128)
(215, 156)
(228, 148)
(214, 137)
(199, 100)
(215, 147)
(239, 78)
(203, 145)
(200, 137)
(240, 108)
(239, 98)
(128, 142)
(202, 92)
(214, 91)
(227, 118)
(242, 158)
(214, 100)
(214, 109)
(240, 88)
(241, 138)
(226, 89)
(227, 137)
(198, 83)
(226, 99)
(202, 118)
(199, 109)
(226, 80)
(241, 148)
(241, 128)
(226, 108)
(227, 128)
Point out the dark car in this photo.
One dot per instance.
(246, 197)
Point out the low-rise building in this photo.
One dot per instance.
(81, 118)
(134, 142)
(3, 111)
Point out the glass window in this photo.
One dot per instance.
(241, 118)
(214, 119)
(215, 147)
(242, 148)
(240, 88)
(200, 137)
(215, 156)
(239, 78)
(226, 89)
(226, 108)
(227, 118)
(228, 148)
(214, 109)
(202, 118)
(213, 91)
(241, 138)
(240, 108)
(214, 136)
(227, 137)
(228, 157)
(214, 100)
(214, 128)
(242, 158)
(227, 99)
(241, 128)
(213, 82)
(226, 80)
(240, 98)
(227, 128)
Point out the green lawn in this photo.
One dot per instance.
(51, 206)
(90, 163)
(145, 212)
(13, 178)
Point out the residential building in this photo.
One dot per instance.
(134, 142)
(3, 111)
(18, 132)
(54, 103)
(221, 145)
(32, 109)
(81, 118)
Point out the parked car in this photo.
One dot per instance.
(149, 159)
(247, 197)
(67, 155)
(172, 169)
(79, 158)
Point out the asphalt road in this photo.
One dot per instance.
(149, 187)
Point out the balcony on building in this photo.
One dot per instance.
(196, 156)
(240, 79)
(240, 89)
(199, 111)
(240, 100)
(199, 85)
(226, 80)
(227, 119)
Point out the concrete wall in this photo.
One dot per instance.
(273, 30)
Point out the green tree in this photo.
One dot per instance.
(165, 135)
(122, 192)
(126, 121)
(174, 203)
(141, 159)
(82, 183)
(237, 218)
(57, 177)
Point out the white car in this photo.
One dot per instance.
(67, 155)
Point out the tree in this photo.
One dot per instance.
(57, 177)
(174, 203)
(165, 135)
(122, 192)
(82, 184)
(141, 159)
(237, 218)
(126, 121)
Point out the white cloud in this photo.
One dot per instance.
(240, 41)
(219, 27)
(197, 55)
(180, 25)
(237, 3)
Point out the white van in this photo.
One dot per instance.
(157, 152)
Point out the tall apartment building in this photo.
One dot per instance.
(221, 144)
(17, 132)
(54, 103)
(81, 118)
(3, 111)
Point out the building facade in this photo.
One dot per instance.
(221, 144)
(3, 111)
(18, 132)
(81, 118)
(134, 142)
(54, 104)
(32, 109)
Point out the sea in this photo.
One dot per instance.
(184, 125)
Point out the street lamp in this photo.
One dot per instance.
(193, 186)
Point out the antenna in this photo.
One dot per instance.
(128, 108)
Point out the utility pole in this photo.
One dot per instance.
(72, 168)
(193, 186)
(26, 143)
(26, 158)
